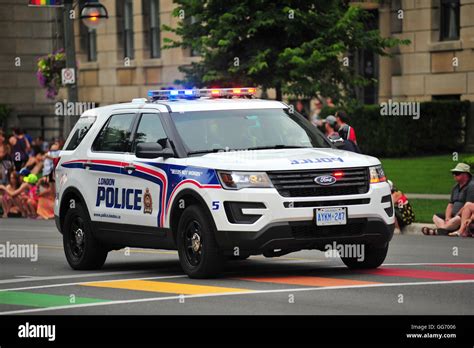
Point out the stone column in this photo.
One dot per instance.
(385, 63)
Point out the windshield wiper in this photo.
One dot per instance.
(204, 151)
(271, 147)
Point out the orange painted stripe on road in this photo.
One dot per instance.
(309, 281)
(165, 287)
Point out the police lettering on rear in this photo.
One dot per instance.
(117, 197)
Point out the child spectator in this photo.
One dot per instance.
(48, 161)
(12, 205)
(45, 200)
(404, 214)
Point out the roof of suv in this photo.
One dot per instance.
(201, 104)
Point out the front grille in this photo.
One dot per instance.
(308, 229)
(339, 202)
(300, 183)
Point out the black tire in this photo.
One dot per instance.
(374, 256)
(83, 251)
(198, 251)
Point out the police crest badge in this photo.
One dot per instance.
(147, 202)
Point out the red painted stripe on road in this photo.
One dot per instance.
(421, 274)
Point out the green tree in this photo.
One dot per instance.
(294, 46)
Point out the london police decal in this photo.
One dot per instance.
(118, 198)
(317, 160)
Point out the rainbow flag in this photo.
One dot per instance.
(50, 3)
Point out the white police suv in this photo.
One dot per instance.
(215, 174)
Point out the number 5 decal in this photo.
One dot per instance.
(215, 205)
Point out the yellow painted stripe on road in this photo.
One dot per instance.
(166, 287)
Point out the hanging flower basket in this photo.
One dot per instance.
(49, 72)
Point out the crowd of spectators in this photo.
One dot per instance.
(26, 175)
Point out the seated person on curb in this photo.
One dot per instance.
(404, 214)
(467, 222)
(462, 193)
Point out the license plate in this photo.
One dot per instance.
(331, 216)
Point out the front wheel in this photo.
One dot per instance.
(198, 251)
(83, 251)
(373, 257)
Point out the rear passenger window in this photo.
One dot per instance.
(115, 136)
(150, 130)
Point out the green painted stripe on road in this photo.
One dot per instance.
(31, 299)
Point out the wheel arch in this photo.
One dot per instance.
(70, 193)
(191, 197)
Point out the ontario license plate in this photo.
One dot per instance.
(331, 216)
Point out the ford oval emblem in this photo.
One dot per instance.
(325, 180)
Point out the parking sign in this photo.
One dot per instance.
(68, 76)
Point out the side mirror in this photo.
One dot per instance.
(153, 150)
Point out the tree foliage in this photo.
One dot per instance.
(295, 46)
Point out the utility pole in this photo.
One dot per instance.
(70, 51)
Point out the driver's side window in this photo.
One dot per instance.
(150, 130)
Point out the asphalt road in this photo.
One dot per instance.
(421, 275)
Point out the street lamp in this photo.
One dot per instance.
(93, 14)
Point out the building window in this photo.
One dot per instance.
(449, 23)
(151, 21)
(88, 42)
(125, 27)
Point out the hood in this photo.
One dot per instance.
(282, 159)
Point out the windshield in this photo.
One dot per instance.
(212, 131)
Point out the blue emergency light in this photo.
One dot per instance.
(173, 94)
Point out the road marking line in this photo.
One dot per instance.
(304, 280)
(42, 300)
(418, 274)
(165, 287)
(87, 275)
(80, 283)
(467, 266)
(254, 292)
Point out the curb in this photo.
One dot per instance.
(428, 196)
(415, 229)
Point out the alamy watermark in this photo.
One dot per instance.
(396, 108)
(20, 251)
(67, 108)
(335, 250)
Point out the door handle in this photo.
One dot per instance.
(87, 165)
(130, 168)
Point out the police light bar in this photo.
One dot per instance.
(173, 94)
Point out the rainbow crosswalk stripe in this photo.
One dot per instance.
(46, 3)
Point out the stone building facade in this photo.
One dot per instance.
(439, 62)
(25, 34)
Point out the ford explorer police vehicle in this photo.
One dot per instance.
(215, 174)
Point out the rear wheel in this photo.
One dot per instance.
(374, 256)
(198, 251)
(82, 251)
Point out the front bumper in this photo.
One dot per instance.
(288, 223)
(287, 236)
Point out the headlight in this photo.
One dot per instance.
(377, 174)
(238, 180)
